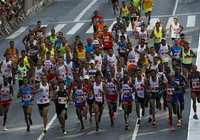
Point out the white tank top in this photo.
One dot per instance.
(139, 88)
(43, 97)
(69, 68)
(6, 71)
(48, 64)
(111, 62)
(150, 57)
(143, 35)
(38, 73)
(175, 31)
(132, 60)
(98, 61)
(62, 72)
(163, 52)
(120, 74)
(125, 35)
(5, 92)
(98, 96)
(85, 72)
(154, 85)
(140, 49)
(92, 73)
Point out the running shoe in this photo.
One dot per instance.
(120, 108)
(154, 123)
(172, 128)
(113, 116)
(195, 117)
(97, 129)
(4, 128)
(150, 119)
(127, 127)
(28, 128)
(139, 121)
(78, 121)
(45, 131)
(179, 123)
(112, 124)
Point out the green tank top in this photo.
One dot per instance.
(53, 39)
(62, 49)
(185, 59)
(22, 72)
(137, 4)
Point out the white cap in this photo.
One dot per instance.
(86, 77)
(92, 62)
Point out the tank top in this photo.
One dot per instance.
(51, 52)
(175, 30)
(26, 61)
(195, 81)
(13, 54)
(92, 72)
(122, 47)
(118, 27)
(107, 37)
(26, 95)
(132, 60)
(38, 73)
(88, 87)
(43, 97)
(5, 94)
(143, 35)
(98, 96)
(48, 65)
(140, 49)
(148, 4)
(111, 62)
(185, 59)
(79, 98)
(163, 52)
(32, 52)
(62, 97)
(119, 75)
(69, 68)
(6, 70)
(176, 51)
(22, 72)
(62, 49)
(98, 61)
(150, 57)
(125, 11)
(158, 36)
(137, 3)
(100, 29)
(53, 40)
(170, 91)
(62, 72)
(111, 91)
(126, 92)
(125, 35)
(154, 85)
(139, 88)
(180, 83)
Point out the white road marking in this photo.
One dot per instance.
(18, 32)
(48, 126)
(110, 28)
(44, 25)
(90, 30)
(136, 128)
(85, 10)
(58, 28)
(193, 125)
(175, 7)
(152, 23)
(170, 20)
(76, 27)
(191, 20)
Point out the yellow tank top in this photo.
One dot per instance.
(148, 4)
(125, 11)
(52, 52)
(158, 36)
(185, 59)
(81, 55)
(26, 62)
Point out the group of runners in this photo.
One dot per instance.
(51, 70)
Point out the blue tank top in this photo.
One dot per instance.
(122, 46)
(176, 51)
(26, 95)
(180, 82)
(126, 92)
(89, 48)
(79, 98)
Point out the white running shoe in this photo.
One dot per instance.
(120, 108)
(4, 128)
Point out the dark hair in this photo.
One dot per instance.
(61, 82)
(23, 51)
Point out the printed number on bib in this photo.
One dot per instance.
(170, 91)
(61, 100)
(195, 85)
(26, 97)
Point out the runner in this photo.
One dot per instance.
(111, 97)
(98, 58)
(61, 68)
(62, 100)
(127, 99)
(92, 70)
(100, 26)
(176, 51)
(195, 89)
(95, 20)
(134, 11)
(38, 71)
(125, 13)
(122, 50)
(147, 7)
(43, 93)
(115, 5)
(175, 29)
(27, 96)
(131, 60)
(6, 96)
(117, 27)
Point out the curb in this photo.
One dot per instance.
(10, 28)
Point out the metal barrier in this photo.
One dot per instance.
(12, 18)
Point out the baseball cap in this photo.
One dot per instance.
(92, 62)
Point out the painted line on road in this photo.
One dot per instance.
(85, 10)
(76, 27)
(18, 32)
(136, 128)
(90, 30)
(58, 28)
(48, 126)
(110, 28)
(170, 20)
(175, 7)
(191, 20)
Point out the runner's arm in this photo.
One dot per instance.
(11, 90)
(181, 26)
(192, 54)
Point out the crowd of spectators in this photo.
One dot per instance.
(10, 11)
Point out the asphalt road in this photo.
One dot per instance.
(65, 12)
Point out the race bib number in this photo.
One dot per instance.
(5, 92)
(170, 91)
(62, 100)
(43, 100)
(177, 55)
(133, 15)
(98, 95)
(154, 89)
(140, 89)
(195, 85)
(47, 67)
(22, 73)
(26, 97)
(157, 38)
